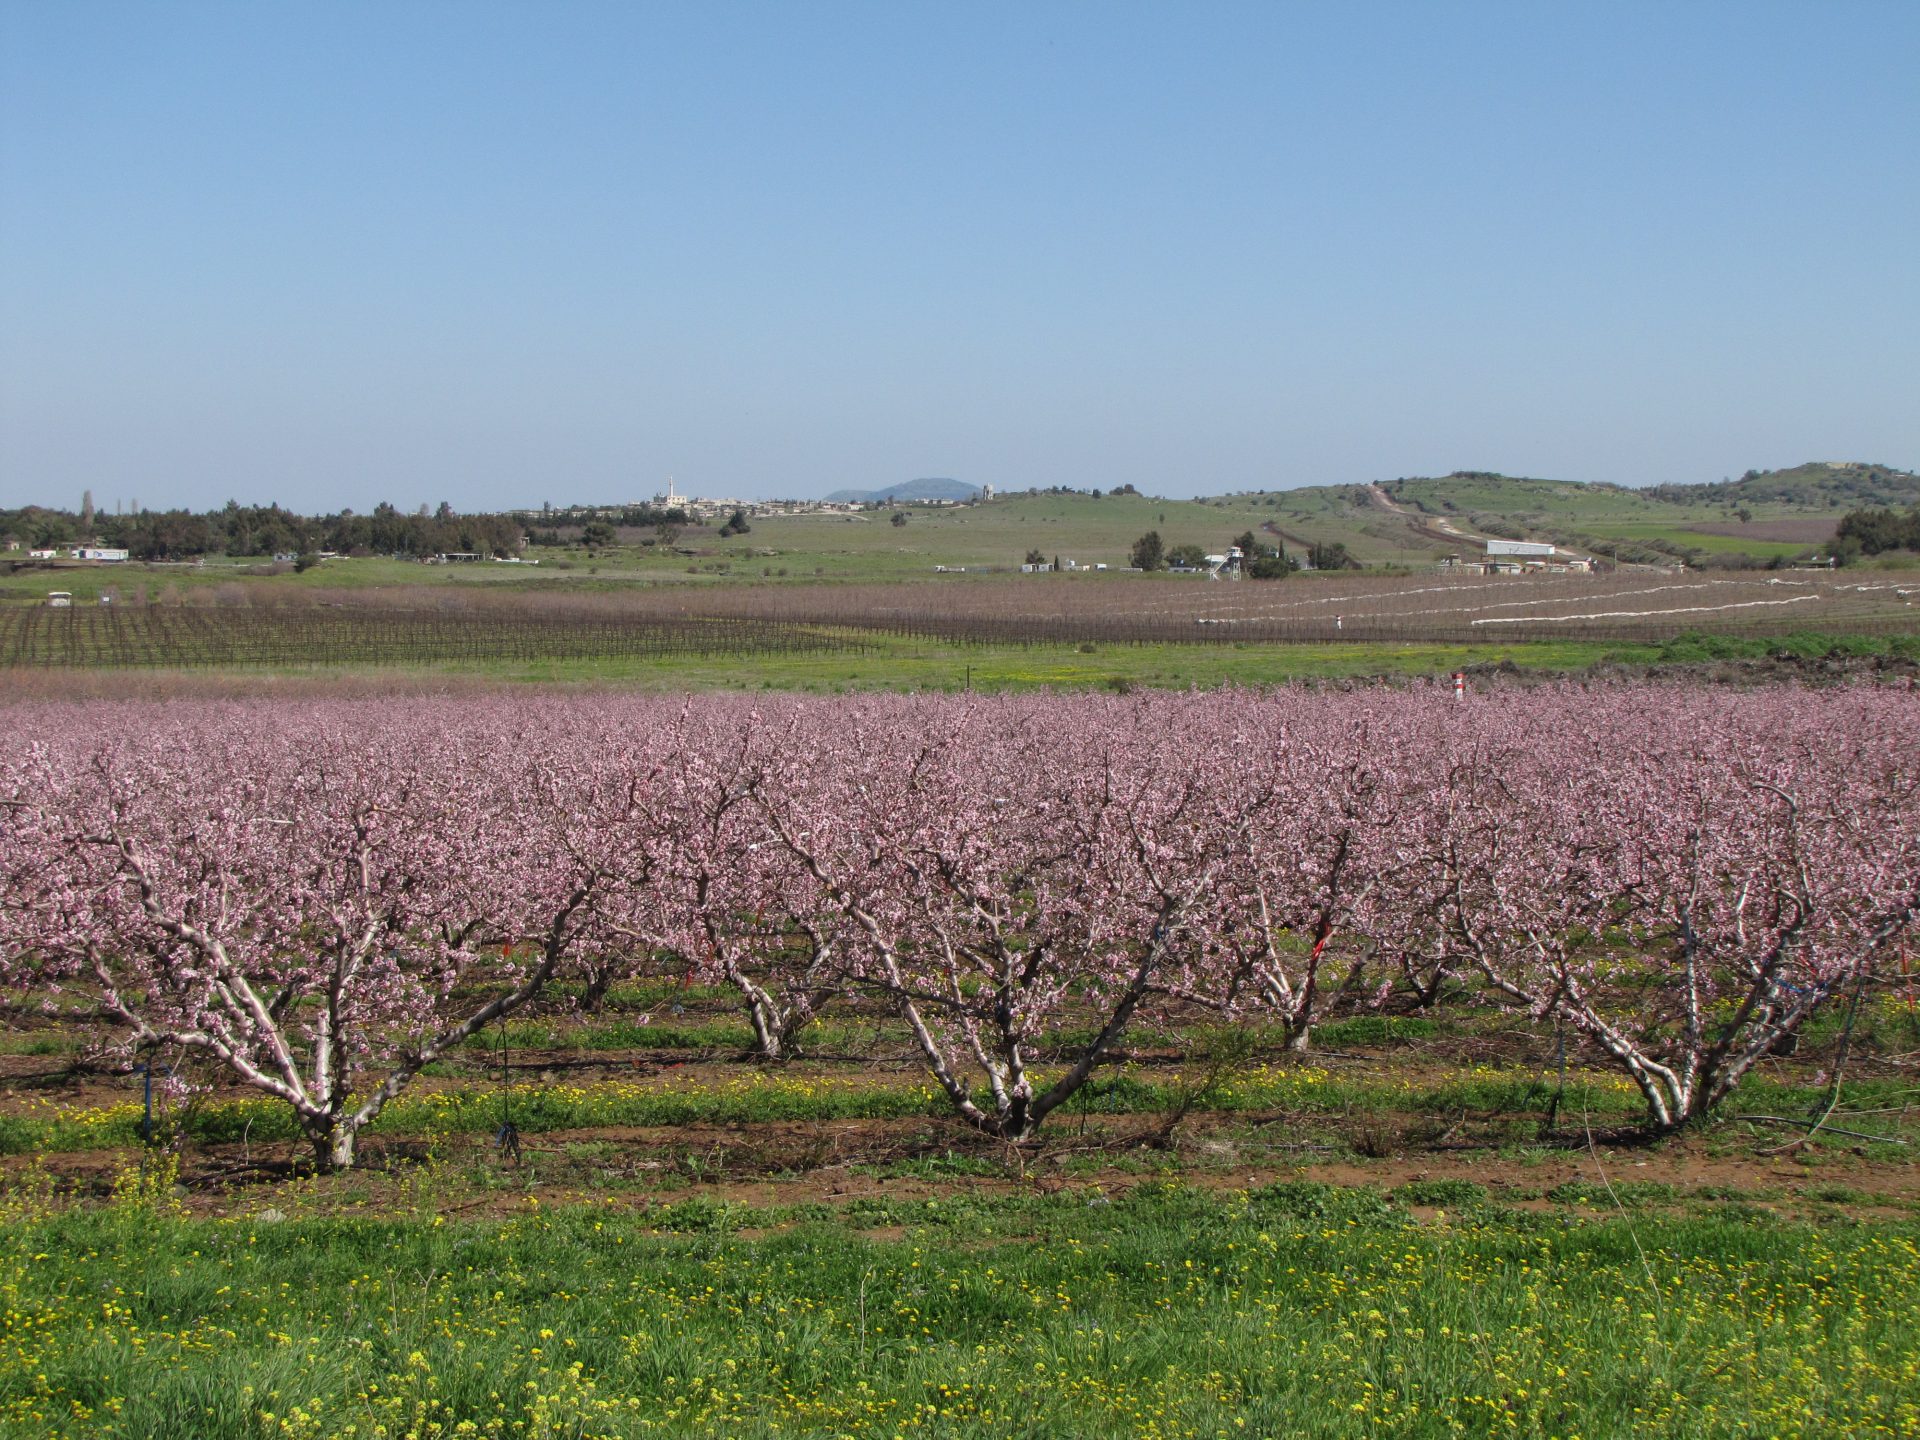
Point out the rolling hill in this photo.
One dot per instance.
(1762, 516)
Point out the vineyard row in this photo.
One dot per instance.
(790, 622)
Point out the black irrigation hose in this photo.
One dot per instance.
(507, 1138)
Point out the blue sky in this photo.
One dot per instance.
(498, 254)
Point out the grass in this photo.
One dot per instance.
(1074, 527)
(790, 549)
(1292, 1309)
(900, 663)
(1700, 540)
(1570, 513)
(1374, 1030)
(760, 1097)
(998, 535)
(768, 1283)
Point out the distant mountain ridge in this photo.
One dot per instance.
(937, 488)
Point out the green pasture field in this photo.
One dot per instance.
(1289, 1309)
(860, 547)
(1566, 503)
(891, 662)
(997, 534)
(867, 546)
(1387, 1239)
(895, 663)
(1696, 539)
(903, 664)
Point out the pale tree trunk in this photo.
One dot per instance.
(335, 1141)
(777, 1020)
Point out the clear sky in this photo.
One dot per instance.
(497, 254)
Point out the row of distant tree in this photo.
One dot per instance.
(239, 529)
(1261, 560)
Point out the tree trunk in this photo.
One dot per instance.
(333, 1144)
(1426, 994)
(769, 1034)
(595, 995)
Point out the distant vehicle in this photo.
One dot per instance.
(60, 599)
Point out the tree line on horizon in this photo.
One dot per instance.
(237, 529)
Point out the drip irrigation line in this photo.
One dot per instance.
(507, 1138)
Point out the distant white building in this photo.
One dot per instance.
(99, 552)
(1525, 549)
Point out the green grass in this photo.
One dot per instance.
(1691, 539)
(757, 1097)
(1296, 1310)
(1558, 510)
(891, 662)
(909, 665)
(1374, 1030)
(901, 664)
(616, 1033)
(998, 535)
(896, 663)
(790, 549)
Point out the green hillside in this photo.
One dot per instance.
(1847, 485)
(996, 535)
(1760, 517)
(1411, 523)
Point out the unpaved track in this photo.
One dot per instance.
(1425, 526)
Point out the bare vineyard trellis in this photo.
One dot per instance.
(424, 626)
(319, 899)
(174, 636)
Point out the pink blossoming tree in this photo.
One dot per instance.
(320, 902)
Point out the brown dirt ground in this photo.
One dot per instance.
(635, 1169)
(836, 1162)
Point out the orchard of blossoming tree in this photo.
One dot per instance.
(319, 900)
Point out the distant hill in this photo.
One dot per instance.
(1829, 485)
(931, 489)
(1763, 516)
